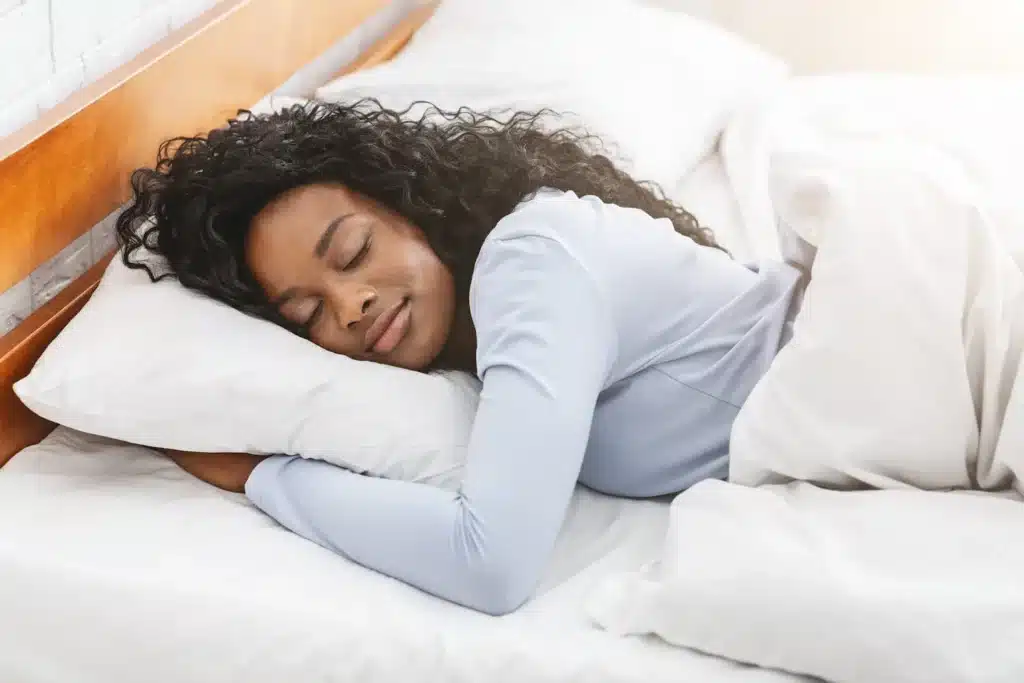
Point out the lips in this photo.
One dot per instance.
(389, 327)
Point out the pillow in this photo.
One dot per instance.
(657, 86)
(161, 366)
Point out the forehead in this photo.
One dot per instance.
(310, 202)
(295, 220)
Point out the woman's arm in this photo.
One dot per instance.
(545, 344)
(228, 471)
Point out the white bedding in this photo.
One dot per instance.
(707, 193)
(117, 566)
(905, 373)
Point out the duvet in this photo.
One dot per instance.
(872, 528)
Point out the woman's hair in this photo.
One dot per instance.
(452, 174)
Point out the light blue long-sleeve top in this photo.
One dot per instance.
(613, 352)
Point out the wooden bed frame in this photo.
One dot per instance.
(62, 174)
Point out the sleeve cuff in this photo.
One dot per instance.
(263, 479)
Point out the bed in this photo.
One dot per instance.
(117, 566)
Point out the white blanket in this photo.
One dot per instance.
(903, 374)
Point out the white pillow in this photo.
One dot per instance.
(658, 86)
(161, 366)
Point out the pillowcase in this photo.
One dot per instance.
(162, 366)
(657, 86)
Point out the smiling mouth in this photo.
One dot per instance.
(389, 328)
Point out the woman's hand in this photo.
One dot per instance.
(228, 471)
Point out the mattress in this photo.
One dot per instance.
(115, 565)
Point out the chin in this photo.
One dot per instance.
(421, 360)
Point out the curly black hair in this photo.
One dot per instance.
(454, 174)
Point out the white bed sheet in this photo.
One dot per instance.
(117, 566)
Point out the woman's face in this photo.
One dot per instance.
(361, 278)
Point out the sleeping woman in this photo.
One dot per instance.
(615, 339)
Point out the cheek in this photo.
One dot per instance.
(435, 276)
(397, 264)
(436, 287)
(443, 304)
(423, 270)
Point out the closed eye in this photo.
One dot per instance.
(360, 255)
(313, 317)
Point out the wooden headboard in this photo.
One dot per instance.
(62, 174)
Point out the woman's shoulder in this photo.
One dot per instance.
(535, 277)
(554, 214)
(550, 230)
(548, 223)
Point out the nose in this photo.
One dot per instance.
(351, 302)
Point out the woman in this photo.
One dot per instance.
(614, 338)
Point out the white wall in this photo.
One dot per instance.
(909, 35)
(50, 48)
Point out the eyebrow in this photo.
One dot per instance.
(324, 243)
(319, 251)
